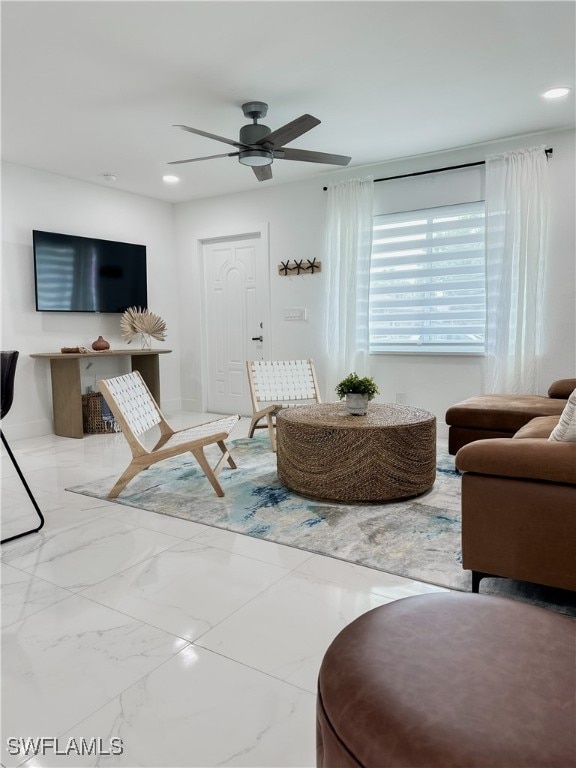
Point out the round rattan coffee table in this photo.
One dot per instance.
(325, 453)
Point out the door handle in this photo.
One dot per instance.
(257, 338)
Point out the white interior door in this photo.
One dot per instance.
(236, 291)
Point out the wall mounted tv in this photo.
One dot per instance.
(84, 274)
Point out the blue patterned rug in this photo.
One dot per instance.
(418, 538)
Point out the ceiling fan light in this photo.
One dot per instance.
(255, 157)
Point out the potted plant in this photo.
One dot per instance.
(358, 392)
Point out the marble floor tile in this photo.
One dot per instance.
(52, 479)
(11, 501)
(49, 501)
(13, 484)
(366, 580)
(19, 518)
(60, 511)
(262, 634)
(201, 709)
(27, 461)
(84, 555)
(173, 526)
(267, 551)
(22, 594)
(187, 589)
(64, 662)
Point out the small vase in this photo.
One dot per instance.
(145, 341)
(100, 344)
(356, 404)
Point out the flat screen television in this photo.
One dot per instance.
(85, 274)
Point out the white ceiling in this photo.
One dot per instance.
(94, 87)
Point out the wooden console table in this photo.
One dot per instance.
(67, 390)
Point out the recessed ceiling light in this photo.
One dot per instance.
(111, 178)
(556, 93)
(171, 179)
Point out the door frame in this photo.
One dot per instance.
(257, 230)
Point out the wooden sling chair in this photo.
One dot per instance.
(277, 384)
(136, 412)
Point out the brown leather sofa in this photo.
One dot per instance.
(519, 507)
(488, 416)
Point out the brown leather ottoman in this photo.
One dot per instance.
(450, 679)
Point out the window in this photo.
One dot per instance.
(427, 281)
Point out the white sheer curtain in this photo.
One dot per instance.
(516, 225)
(347, 264)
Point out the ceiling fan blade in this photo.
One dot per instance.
(290, 131)
(211, 136)
(262, 172)
(208, 157)
(311, 157)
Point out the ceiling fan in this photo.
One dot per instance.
(258, 146)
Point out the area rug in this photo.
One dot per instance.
(418, 539)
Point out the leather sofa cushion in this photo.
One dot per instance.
(502, 412)
(562, 388)
(530, 457)
(541, 426)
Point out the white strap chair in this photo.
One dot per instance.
(277, 384)
(136, 412)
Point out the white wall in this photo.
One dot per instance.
(295, 214)
(33, 199)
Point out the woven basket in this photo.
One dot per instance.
(92, 421)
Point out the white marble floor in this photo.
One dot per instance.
(192, 645)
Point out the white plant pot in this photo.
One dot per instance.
(356, 404)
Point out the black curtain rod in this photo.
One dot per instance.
(440, 170)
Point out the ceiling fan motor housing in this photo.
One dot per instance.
(250, 134)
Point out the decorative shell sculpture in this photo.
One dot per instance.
(136, 320)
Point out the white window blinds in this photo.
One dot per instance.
(427, 280)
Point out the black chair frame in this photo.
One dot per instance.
(8, 371)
